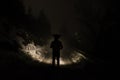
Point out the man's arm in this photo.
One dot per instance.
(51, 45)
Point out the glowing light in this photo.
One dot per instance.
(77, 57)
(62, 62)
(39, 53)
(36, 52)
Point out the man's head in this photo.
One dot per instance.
(56, 36)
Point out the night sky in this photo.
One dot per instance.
(62, 13)
(59, 12)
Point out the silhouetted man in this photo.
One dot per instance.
(56, 46)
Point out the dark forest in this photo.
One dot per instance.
(86, 33)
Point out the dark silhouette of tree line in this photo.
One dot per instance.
(16, 21)
(96, 16)
(13, 14)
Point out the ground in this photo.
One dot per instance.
(12, 67)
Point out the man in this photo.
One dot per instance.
(56, 46)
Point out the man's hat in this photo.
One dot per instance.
(56, 35)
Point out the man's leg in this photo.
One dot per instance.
(58, 61)
(53, 61)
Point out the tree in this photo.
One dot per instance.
(44, 24)
(97, 16)
(13, 11)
